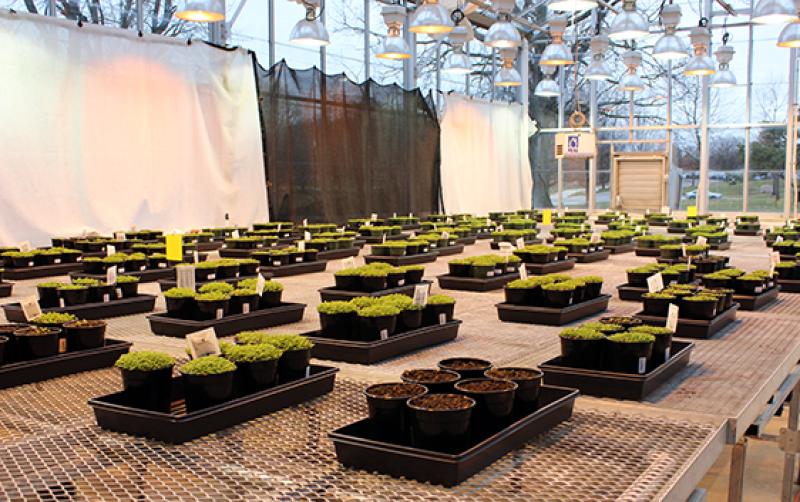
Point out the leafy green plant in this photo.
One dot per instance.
(287, 342)
(559, 286)
(54, 318)
(379, 310)
(602, 327)
(363, 301)
(208, 365)
(50, 285)
(272, 287)
(212, 296)
(347, 272)
(396, 300)
(71, 287)
(441, 300)
(123, 279)
(653, 330)
(335, 308)
(410, 268)
(179, 293)
(632, 337)
(206, 265)
(247, 283)
(85, 281)
(145, 360)
(592, 279)
(243, 292)
(700, 298)
(581, 334)
(251, 353)
(216, 287)
(660, 295)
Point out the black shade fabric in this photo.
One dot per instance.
(338, 150)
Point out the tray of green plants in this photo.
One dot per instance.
(375, 279)
(226, 307)
(658, 219)
(608, 217)
(553, 299)
(788, 249)
(403, 252)
(677, 273)
(702, 311)
(53, 345)
(480, 273)
(43, 262)
(747, 225)
(511, 236)
(751, 291)
(649, 245)
(584, 250)
(622, 361)
(369, 329)
(788, 276)
(444, 425)
(333, 245)
(223, 270)
(373, 233)
(88, 299)
(259, 374)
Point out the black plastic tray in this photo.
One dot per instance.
(333, 294)
(630, 293)
(614, 384)
(150, 275)
(208, 246)
(549, 315)
(166, 284)
(338, 254)
(550, 267)
(448, 281)
(22, 273)
(113, 413)
(307, 267)
(695, 328)
(450, 250)
(622, 248)
(591, 257)
(467, 241)
(755, 302)
(102, 310)
(789, 285)
(286, 313)
(647, 251)
(357, 447)
(36, 370)
(5, 289)
(749, 233)
(722, 246)
(372, 352)
(531, 242)
(397, 261)
(377, 239)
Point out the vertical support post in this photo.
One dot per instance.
(592, 188)
(438, 68)
(52, 8)
(323, 52)
(748, 105)
(366, 40)
(702, 186)
(467, 89)
(217, 32)
(561, 91)
(788, 181)
(410, 64)
(522, 68)
(672, 172)
(139, 16)
(736, 479)
(271, 30)
(494, 70)
(787, 487)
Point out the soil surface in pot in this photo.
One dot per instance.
(463, 364)
(432, 376)
(442, 402)
(396, 390)
(514, 374)
(486, 386)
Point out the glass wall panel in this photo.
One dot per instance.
(345, 24)
(726, 170)
(286, 16)
(544, 168)
(576, 183)
(767, 164)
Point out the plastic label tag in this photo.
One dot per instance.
(30, 307)
(401, 282)
(30, 263)
(62, 345)
(212, 277)
(442, 318)
(277, 263)
(57, 261)
(61, 303)
(384, 334)
(246, 308)
(701, 240)
(118, 291)
(523, 271)
(260, 283)
(162, 265)
(445, 235)
(142, 268)
(196, 257)
(779, 239)
(666, 354)
(373, 216)
(758, 289)
(110, 249)
(383, 238)
(683, 249)
(306, 235)
(349, 262)
(637, 229)
(106, 298)
(421, 294)
(185, 277)
(655, 283)
(490, 273)
(111, 275)
(119, 236)
(298, 259)
(203, 343)
(672, 318)
(520, 243)
(220, 313)
(301, 245)
(642, 365)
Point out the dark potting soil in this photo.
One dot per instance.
(431, 376)
(441, 402)
(514, 374)
(396, 390)
(486, 386)
(465, 364)
(622, 321)
(86, 323)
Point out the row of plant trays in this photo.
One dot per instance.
(115, 412)
(633, 293)
(337, 294)
(166, 284)
(22, 273)
(551, 316)
(150, 275)
(97, 310)
(165, 324)
(399, 261)
(695, 328)
(621, 248)
(748, 233)
(448, 281)
(789, 285)
(590, 256)
(530, 242)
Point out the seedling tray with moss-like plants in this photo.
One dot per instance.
(6, 289)
(551, 316)
(359, 447)
(14, 373)
(720, 246)
(529, 242)
(149, 275)
(308, 267)
(467, 241)
(352, 351)
(695, 328)
(617, 385)
(749, 233)
(647, 251)
(630, 293)
(377, 239)
(550, 267)
(338, 254)
(208, 246)
(113, 412)
(285, 313)
(591, 257)
(448, 281)
(450, 250)
(399, 261)
(622, 248)
(789, 285)
(166, 284)
(99, 310)
(756, 302)
(334, 294)
(22, 273)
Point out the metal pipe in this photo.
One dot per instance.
(140, 16)
(788, 183)
(323, 52)
(748, 104)
(561, 90)
(702, 187)
(366, 40)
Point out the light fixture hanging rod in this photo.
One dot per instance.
(710, 27)
(524, 22)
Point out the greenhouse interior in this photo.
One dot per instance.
(357, 250)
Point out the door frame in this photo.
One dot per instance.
(622, 156)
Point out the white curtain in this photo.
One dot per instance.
(104, 130)
(484, 151)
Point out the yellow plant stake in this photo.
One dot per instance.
(174, 247)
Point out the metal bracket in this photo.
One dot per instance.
(789, 441)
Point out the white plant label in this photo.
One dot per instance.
(301, 245)
(30, 307)
(779, 239)
(246, 308)
(118, 291)
(305, 222)
(655, 283)
(642, 365)
(689, 262)
(523, 271)
(349, 262)
(185, 277)
(279, 226)
(595, 238)
(384, 334)
(683, 249)
(412, 236)
(520, 243)
(383, 238)
(260, 283)
(235, 234)
(111, 275)
(119, 236)
(203, 343)
(442, 318)
(196, 257)
(421, 294)
(106, 297)
(666, 354)
(306, 235)
(373, 216)
(701, 240)
(500, 228)
(341, 230)
(220, 313)
(774, 259)
(394, 215)
(24, 246)
(672, 317)
(445, 236)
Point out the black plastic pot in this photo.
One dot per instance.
(135, 265)
(94, 267)
(395, 279)
(156, 263)
(150, 390)
(593, 290)
(434, 386)
(467, 367)
(85, 337)
(432, 314)
(408, 320)
(578, 294)
(204, 274)
(638, 278)
(270, 299)
(717, 283)
(529, 382)
(439, 427)
(98, 293)
(558, 299)
(627, 357)
(660, 346)
(3, 344)
(48, 297)
(482, 271)
(459, 269)
(656, 306)
(389, 414)
(228, 271)
(491, 406)
(129, 289)
(255, 376)
(183, 308)
(74, 296)
(540, 257)
(238, 304)
(212, 309)
(347, 282)
(516, 296)
(310, 255)
(21, 262)
(786, 273)
(376, 328)
(584, 353)
(747, 287)
(202, 391)
(248, 269)
(414, 276)
(339, 326)
(373, 283)
(293, 364)
(29, 345)
(698, 310)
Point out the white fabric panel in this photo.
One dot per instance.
(484, 150)
(105, 130)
